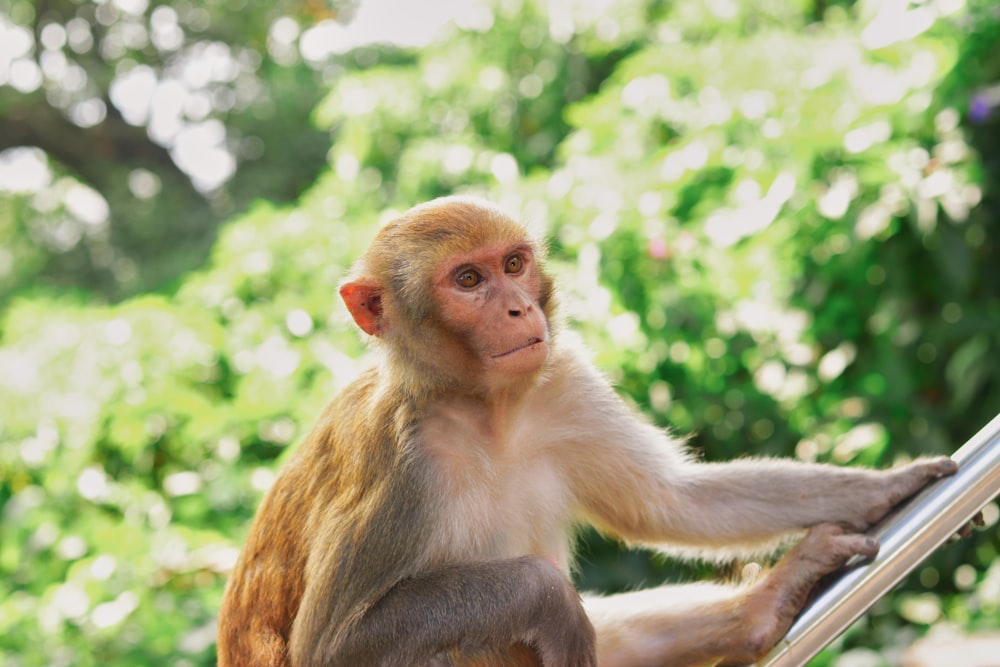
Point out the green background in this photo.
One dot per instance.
(775, 223)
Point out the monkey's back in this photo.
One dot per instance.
(331, 470)
(266, 585)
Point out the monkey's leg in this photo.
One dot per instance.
(489, 606)
(706, 624)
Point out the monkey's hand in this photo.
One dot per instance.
(772, 603)
(871, 496)
(562, 634)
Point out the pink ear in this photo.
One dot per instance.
(364, 300)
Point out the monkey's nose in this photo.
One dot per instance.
(519, 312)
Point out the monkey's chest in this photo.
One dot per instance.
(499, 496)
(493, 512)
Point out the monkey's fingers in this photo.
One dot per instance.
(968, 529)
(911, 477)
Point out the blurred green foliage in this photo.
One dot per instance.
(176, 114)
(776, 224)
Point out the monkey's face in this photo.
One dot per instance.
(489, 299)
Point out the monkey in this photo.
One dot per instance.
(428, 517)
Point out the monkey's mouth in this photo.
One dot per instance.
(535, 340)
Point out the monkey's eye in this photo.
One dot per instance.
(468, 279)
(514, 264)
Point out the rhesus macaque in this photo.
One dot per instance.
(428, 518)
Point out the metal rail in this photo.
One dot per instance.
(908, 536)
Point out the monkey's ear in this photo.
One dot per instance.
(364, 300)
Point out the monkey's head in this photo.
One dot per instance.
(454, 290)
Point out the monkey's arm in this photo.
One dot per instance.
(639, 482)
(743, 501)
(465, 607)
(704, 624)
